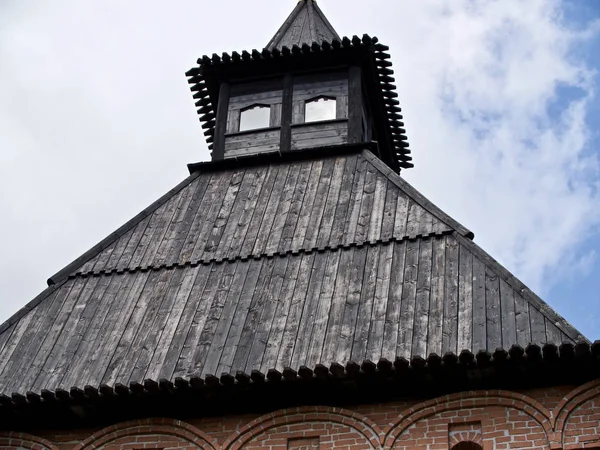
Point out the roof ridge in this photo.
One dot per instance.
(415, 195)
(120, 232)
(546, 310)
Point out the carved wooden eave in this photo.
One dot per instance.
(372, 56)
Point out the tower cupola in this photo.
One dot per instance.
(307, 89)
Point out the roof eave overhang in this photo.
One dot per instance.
(514, 369)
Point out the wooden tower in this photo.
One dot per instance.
(295, 292)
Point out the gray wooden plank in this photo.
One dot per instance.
(438, 279)
(5, 336)
(343, 202)
(422, 300)
(134, 240)
(338, 302)
(68, 339)
(139, 298)
(13, 368)
(226, 314)
(83, 335)
(355, 200)
(90, 349)
(201, 297)
(538, 327)
(307, 205)
(258, 210)
(553, 334)
(312, 228)
(260, 245)
(342, 351)
(275, 119)
(283, 208)
(380, 303)
(389, 212)
(236, 247)
(134, 365)
(299, 144)
(309, 312)
(187, 225)
(210, 208)
(465, 299)
(251, 138)
(282, 313)
(341, 107)
(229, 199)
(252, 146)
(230, 222)
(323, 129)
(415, 216)
(492, 303)
(507, 310)
(114, 327)
(479, 306)
(323, 310)
(233, 120)
(377, 210)
(15, 338)
(365, 307)
(298, 111)
(158, 324)
(392, 317)
(267, 317)
(324, 230)
(366, 207)
(401, 221)
(167, 354)
(251, 88)
(293, 322)
(241, 358)
(408, 303)
(522, 320)
(159, 223)
(450, 327)
(181, 212)
(214, 314)
(289, 228)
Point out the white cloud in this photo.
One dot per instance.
(96, 120)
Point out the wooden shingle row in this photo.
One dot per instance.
(274, 209)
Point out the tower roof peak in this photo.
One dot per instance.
(305, 25)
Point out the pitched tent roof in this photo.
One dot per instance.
(305, 25)
(266, 264)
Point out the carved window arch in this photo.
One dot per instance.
(467, 445)
(254, 117)
(320, 108)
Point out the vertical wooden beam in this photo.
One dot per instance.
(355, 105)
(221, 122)
(286, 113)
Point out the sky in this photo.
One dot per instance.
(501, 102)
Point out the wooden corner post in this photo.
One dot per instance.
(221, 122)
(355, 105)
(285, 144)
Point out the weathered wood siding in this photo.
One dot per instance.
(245, 95)
(318, 134)
(308, 87)
(251, 143)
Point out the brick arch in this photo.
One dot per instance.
(465, 400)
(159, 426)
(358, 422)
(571, 402)
(23, 440)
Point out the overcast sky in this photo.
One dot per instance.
(500, 100)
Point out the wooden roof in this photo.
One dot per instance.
(266, 264)
(305, 25)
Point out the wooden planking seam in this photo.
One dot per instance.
(243, 258)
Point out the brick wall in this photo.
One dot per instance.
(557, 418)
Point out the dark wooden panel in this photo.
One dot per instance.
(492, 303)
(522, 320)
(422, 302)
(436, 313)
(507, 310)
(465, 299)
(409, 294)
(450, 328)
(479, 307)
(392, 315)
